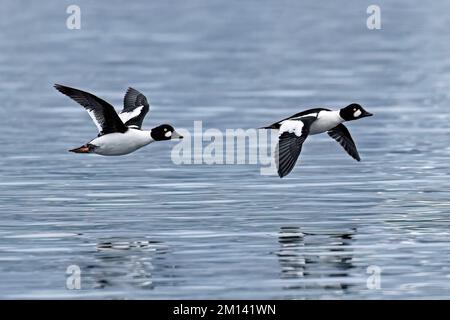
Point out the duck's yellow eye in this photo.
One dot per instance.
(354, 109)
(165, 129)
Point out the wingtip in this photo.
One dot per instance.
(68, 91)
(131, 89)
(60, 87)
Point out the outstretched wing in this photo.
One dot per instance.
(341, 134)
(101, 112)
(292, 135)
(135, 107)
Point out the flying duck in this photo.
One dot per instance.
(294, 130)
(121, 133)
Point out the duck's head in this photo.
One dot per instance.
(353, 111)
(165, 132)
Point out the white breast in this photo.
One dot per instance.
(116, 144)
(326, 120)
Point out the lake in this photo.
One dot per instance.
(141, 227)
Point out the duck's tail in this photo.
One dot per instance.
(87, 148)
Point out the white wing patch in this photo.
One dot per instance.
(97, 123)
(125, 116)
(314, 114)
(292, 127)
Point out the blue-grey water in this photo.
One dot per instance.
(140, 227)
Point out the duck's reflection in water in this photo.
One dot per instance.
(123, 262)
(317, 261)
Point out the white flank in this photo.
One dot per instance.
(326, 120)
(116, 144)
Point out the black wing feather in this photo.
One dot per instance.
(289, 147)
(104, 113)
(134, 99)
(341, 134)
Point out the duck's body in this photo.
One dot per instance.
(117, 144)
(294, 130)
(119, 134)
(324, 120)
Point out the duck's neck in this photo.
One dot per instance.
(144, 137)
(148, 136)
(339, 115)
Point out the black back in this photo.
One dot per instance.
(313, 111)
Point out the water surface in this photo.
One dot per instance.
(140, 227)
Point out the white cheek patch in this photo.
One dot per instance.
(357, 114)
(168, 134)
